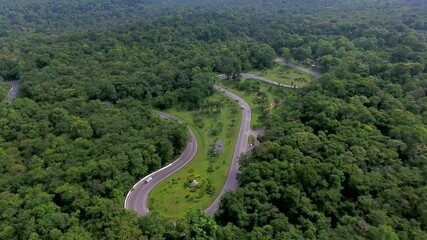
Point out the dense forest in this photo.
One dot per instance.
(343, 158)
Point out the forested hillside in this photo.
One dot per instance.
(343, 158)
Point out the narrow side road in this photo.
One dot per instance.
(13, 91)
(136, 198)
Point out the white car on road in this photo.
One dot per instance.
(147, 180)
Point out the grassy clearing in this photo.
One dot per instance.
(285, 75)
(174, 196)
(250, 97)
(251, 140)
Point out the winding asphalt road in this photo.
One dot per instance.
(245, 129)
(136, 199)
(13, 91)
(241, 147)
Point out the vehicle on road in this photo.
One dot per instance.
(132, 199)
(243, 107)
(223, 91)
(147, 180)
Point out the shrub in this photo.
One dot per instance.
(201, 195)
(190, 178)
(210, 168)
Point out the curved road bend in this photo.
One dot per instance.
(241, 147)
(282, 61)
(279, 61)
(256, 77)
(136, 198)
(13, 91)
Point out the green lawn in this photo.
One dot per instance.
(174, 196)
(285, 75)
(251, 140)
